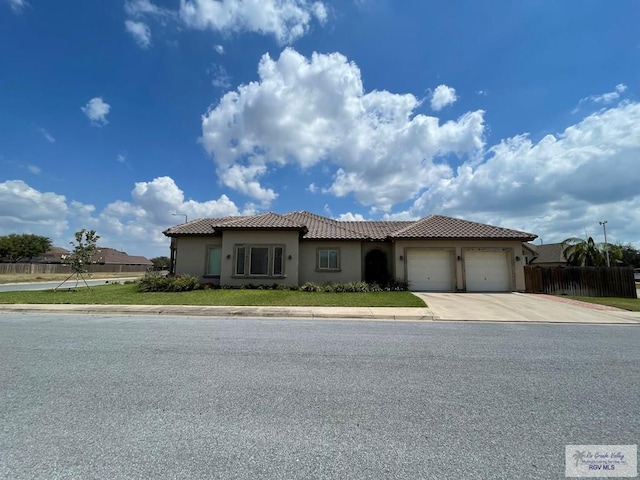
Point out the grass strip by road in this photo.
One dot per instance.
(55, 277)
(631, 304)
(117, 294)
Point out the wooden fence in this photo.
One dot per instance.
(40, 268)
(581, 281)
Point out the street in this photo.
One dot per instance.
(122, 397)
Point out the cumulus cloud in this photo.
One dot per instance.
(97, 110)
(351, 217)
(23, 209)
(286, 20)
(606, 98)
(558, 186)
(133, 225)
(442, 96)
(219, 49)
(304, 111)
(140, 33)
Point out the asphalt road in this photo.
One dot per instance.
(85, 397)
(71, 283)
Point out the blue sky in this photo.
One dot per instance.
(116, 115)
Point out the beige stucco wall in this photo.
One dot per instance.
(287, 238)
(514, 250)
(191, 256)
(350, 262)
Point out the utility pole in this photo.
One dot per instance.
(606, 245)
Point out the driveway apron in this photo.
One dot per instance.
(521, 307)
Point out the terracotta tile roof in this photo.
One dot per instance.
(211, 226)
(439, 226)
(549, 253)
(268, 220)
(374, 230)
(323, 228)
(317, 227)
(201, 226)
(111, 256)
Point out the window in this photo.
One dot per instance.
(328, 259)
(214, 261)
(260, 260)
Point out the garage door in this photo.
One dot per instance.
(487, 271)
(430, 270)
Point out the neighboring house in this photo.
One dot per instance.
(53, 255)
(436, 253)
(550, 255)
(105, 256)
(111, 256)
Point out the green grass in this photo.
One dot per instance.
(116, 294)
(632, 304)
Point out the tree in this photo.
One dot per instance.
(16, 247)
(630, 255)
(84, 250)
(587, 253)
(161, 263)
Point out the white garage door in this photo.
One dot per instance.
(430, 270)
(487, 271)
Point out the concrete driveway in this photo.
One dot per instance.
(521, 307)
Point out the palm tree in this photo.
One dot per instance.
(587, 253)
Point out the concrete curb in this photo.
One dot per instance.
(363, 313)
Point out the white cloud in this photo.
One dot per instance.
(219, 49)
(50, 138)
(604, 98)
(351, 217)
(17, 5)
(558, 186)
(442, 96)
(306, 111)
(97, 110)
(26, 210)
(136, 8)
(140, 32)
(134, 226)
(286, 20)
(34, 169)
(220, 76)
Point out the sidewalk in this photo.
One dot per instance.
(364, 313)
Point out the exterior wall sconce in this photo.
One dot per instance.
(459, 258)
(517, 259)
(228, 256)
(289, 257)
(401, 257)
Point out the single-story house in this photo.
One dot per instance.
(549, 255)
(435, 253)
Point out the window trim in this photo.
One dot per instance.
(320, 268)
(246, 263)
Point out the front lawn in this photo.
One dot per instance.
(117, 294)
(632, 304)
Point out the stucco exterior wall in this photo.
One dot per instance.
(514, 248)
(191, 256)
(350, 262)
(286, 238)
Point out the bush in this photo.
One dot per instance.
(153, 282)
(355, 287)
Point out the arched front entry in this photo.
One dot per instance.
(375, 267)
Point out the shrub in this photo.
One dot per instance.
(153, 282)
